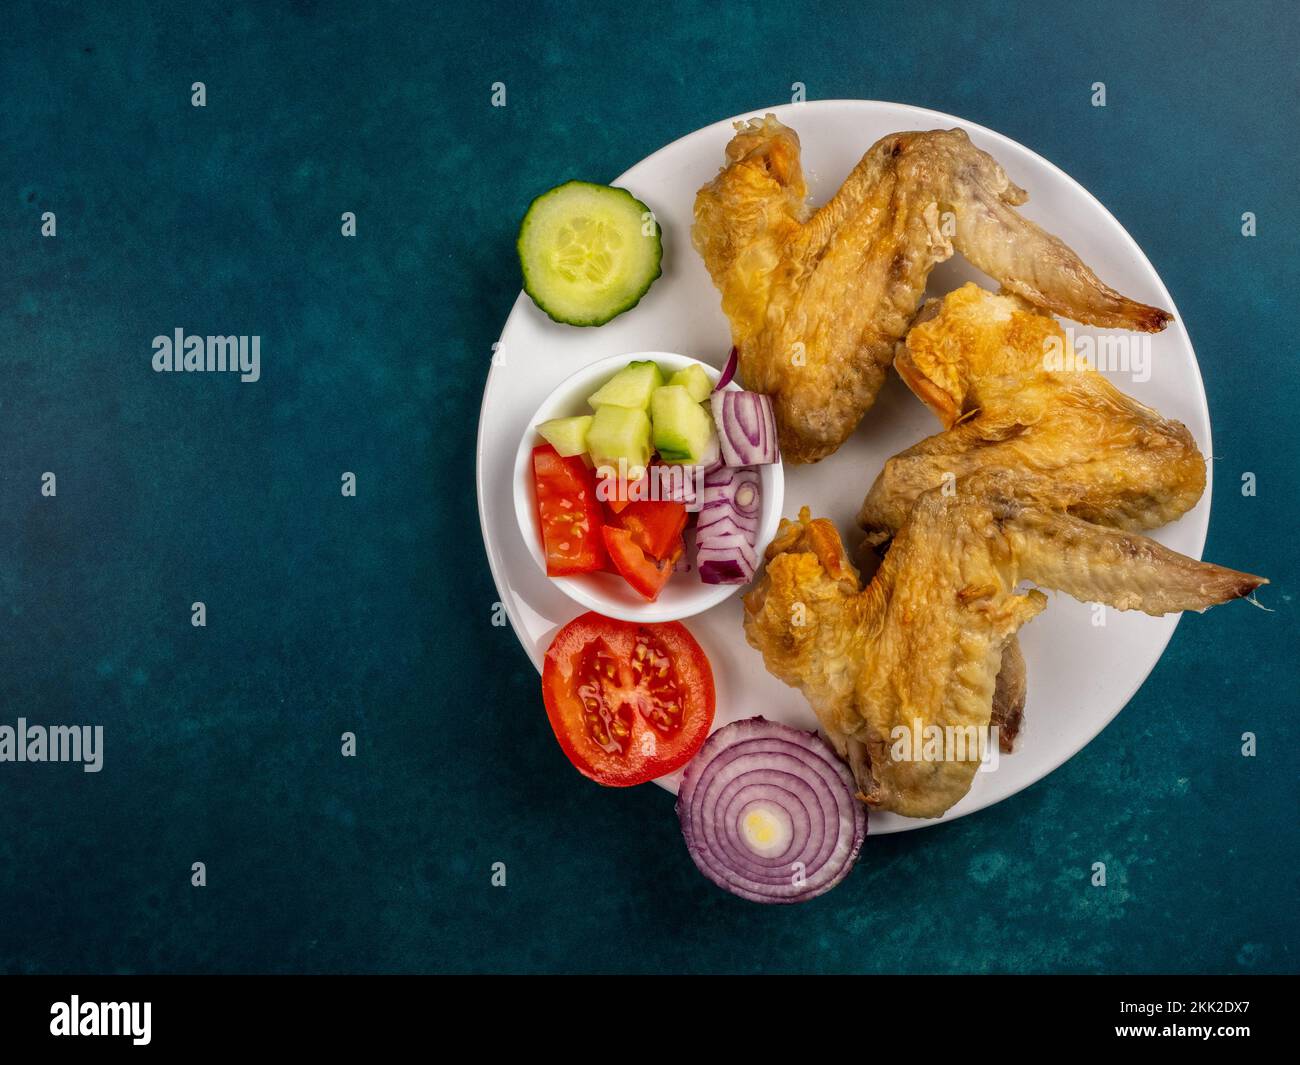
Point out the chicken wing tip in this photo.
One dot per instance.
(1152, 320)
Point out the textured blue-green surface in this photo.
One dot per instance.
(373, 614)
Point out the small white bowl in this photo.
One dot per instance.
(685, 595)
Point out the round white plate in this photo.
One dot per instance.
(1080, 673)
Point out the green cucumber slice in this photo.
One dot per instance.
(567, 435)
(694, 380)
(588, 252)
(630, 387)
(681, 427)
(620, 433)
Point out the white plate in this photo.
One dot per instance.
(1080, 674)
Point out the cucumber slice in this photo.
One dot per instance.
(630, 387)
(588, 252)
(694, 380)
(567, 435)
(620, 433)
(681, 427)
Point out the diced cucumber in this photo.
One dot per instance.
(588, 252)
(630, 387)
(619, 433)
(567, 435)
(681, 426)
(694, 380)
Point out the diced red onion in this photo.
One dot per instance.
(728, 371)
(722, 542)
(726, 525)
(747, 498)
(769, 813)
(727, 485)
(724, 567)
(677, 484)
(726, 532)
(746, 428)
(718, 512)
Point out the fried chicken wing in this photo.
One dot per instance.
(1011, 393)
(817, 300)
(924, 642)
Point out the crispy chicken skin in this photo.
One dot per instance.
(924, 641)
(817, 300)
(1003, 381)
(981, 363)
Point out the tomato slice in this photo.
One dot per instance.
(628, 702)
(645, 574)
(569, 513)
(656, 525)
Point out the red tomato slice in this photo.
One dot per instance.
(645, 574)
(656, 526)
(628, 702)
(568, 512)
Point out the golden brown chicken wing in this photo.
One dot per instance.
(817, 301)
(1011, 393)
(923, 644)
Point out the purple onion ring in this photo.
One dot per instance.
(755, 766)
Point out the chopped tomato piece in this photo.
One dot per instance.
(621, 501)
(569, 513)
(656, 526)
(625, 493)
(628, 702)
(645, 574)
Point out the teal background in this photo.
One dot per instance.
(373, 614)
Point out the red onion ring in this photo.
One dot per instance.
(725, 533)
(790, 781)
(728, 371)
